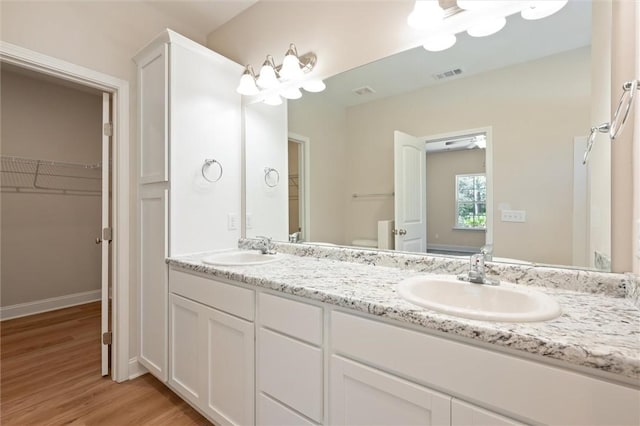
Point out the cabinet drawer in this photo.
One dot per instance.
(291, 372)
(228, 298)
(296, 319)
(272, 413)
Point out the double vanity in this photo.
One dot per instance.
(326, 335)
(320, 335)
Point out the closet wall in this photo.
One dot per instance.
(48, 240)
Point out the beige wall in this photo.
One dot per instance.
(442, 168)
(623, 68)
(48, 247)
(344, 34)
(519, 103)
(325, 127)
(103, 36)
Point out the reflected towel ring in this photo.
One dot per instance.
(628, 92)
(603, 128)
(271, 174)
(206, 170)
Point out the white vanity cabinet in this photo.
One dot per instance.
(377, 358)
(188, 113)
(211, 341)
(290, 362)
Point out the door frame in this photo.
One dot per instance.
(488, 168)
(305, 179)
(119, 90)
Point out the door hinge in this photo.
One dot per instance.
(108, 129)
(106, 338)
(107, 234)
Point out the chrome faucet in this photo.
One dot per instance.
(476, 272)
(266, 246)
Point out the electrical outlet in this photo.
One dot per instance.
(249, 221)
(514, 216)
(232, 222)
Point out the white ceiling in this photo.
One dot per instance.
(520, 41)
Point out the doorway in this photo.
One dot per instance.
(298, 187)
(120, 272)
(55, 195)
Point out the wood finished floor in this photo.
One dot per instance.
(50, 375)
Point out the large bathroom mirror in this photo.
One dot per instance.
(500, 123)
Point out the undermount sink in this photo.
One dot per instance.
(447, 294)
(240, 258)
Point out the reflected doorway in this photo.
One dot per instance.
(296, 189)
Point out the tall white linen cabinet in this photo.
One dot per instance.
(188, 171)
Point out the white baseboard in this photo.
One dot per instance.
(136, 369)
(46, 305)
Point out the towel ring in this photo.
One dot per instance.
(208, 163)
(628, 91)
(271, 174)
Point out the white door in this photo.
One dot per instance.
(410, 187)
(105, 239)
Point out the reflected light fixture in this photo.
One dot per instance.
(425, 13)
(479, 18)
(439, 42)
(487, 26)
(277, 81)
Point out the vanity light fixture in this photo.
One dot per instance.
(479, 18)
(281, 81)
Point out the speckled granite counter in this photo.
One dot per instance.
(599, 331)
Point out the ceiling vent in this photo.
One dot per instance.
(448, 74)
(365, 90)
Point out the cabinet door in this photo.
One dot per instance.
(153, 88)
(464, 414)
(153, 289)
(361, 395)
(229, 368)
(185, 325)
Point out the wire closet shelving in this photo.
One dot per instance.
(28, 175)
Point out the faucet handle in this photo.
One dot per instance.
(477, 262)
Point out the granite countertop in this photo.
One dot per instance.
(594, 331)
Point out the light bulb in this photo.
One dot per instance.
(247, 85)
(291, 93)
(542, 9)
(439, 42)
(314, 86)
(426, 13)
(273, 100)
(267, 78)
(488, 26)
(291, 68)
(481, 4)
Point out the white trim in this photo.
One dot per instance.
(25, 58)
(306, 181)
(46, 305)
(136, 369)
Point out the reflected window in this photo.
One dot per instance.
(471, 201)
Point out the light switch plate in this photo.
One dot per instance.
(514, 216)
(232, 221)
